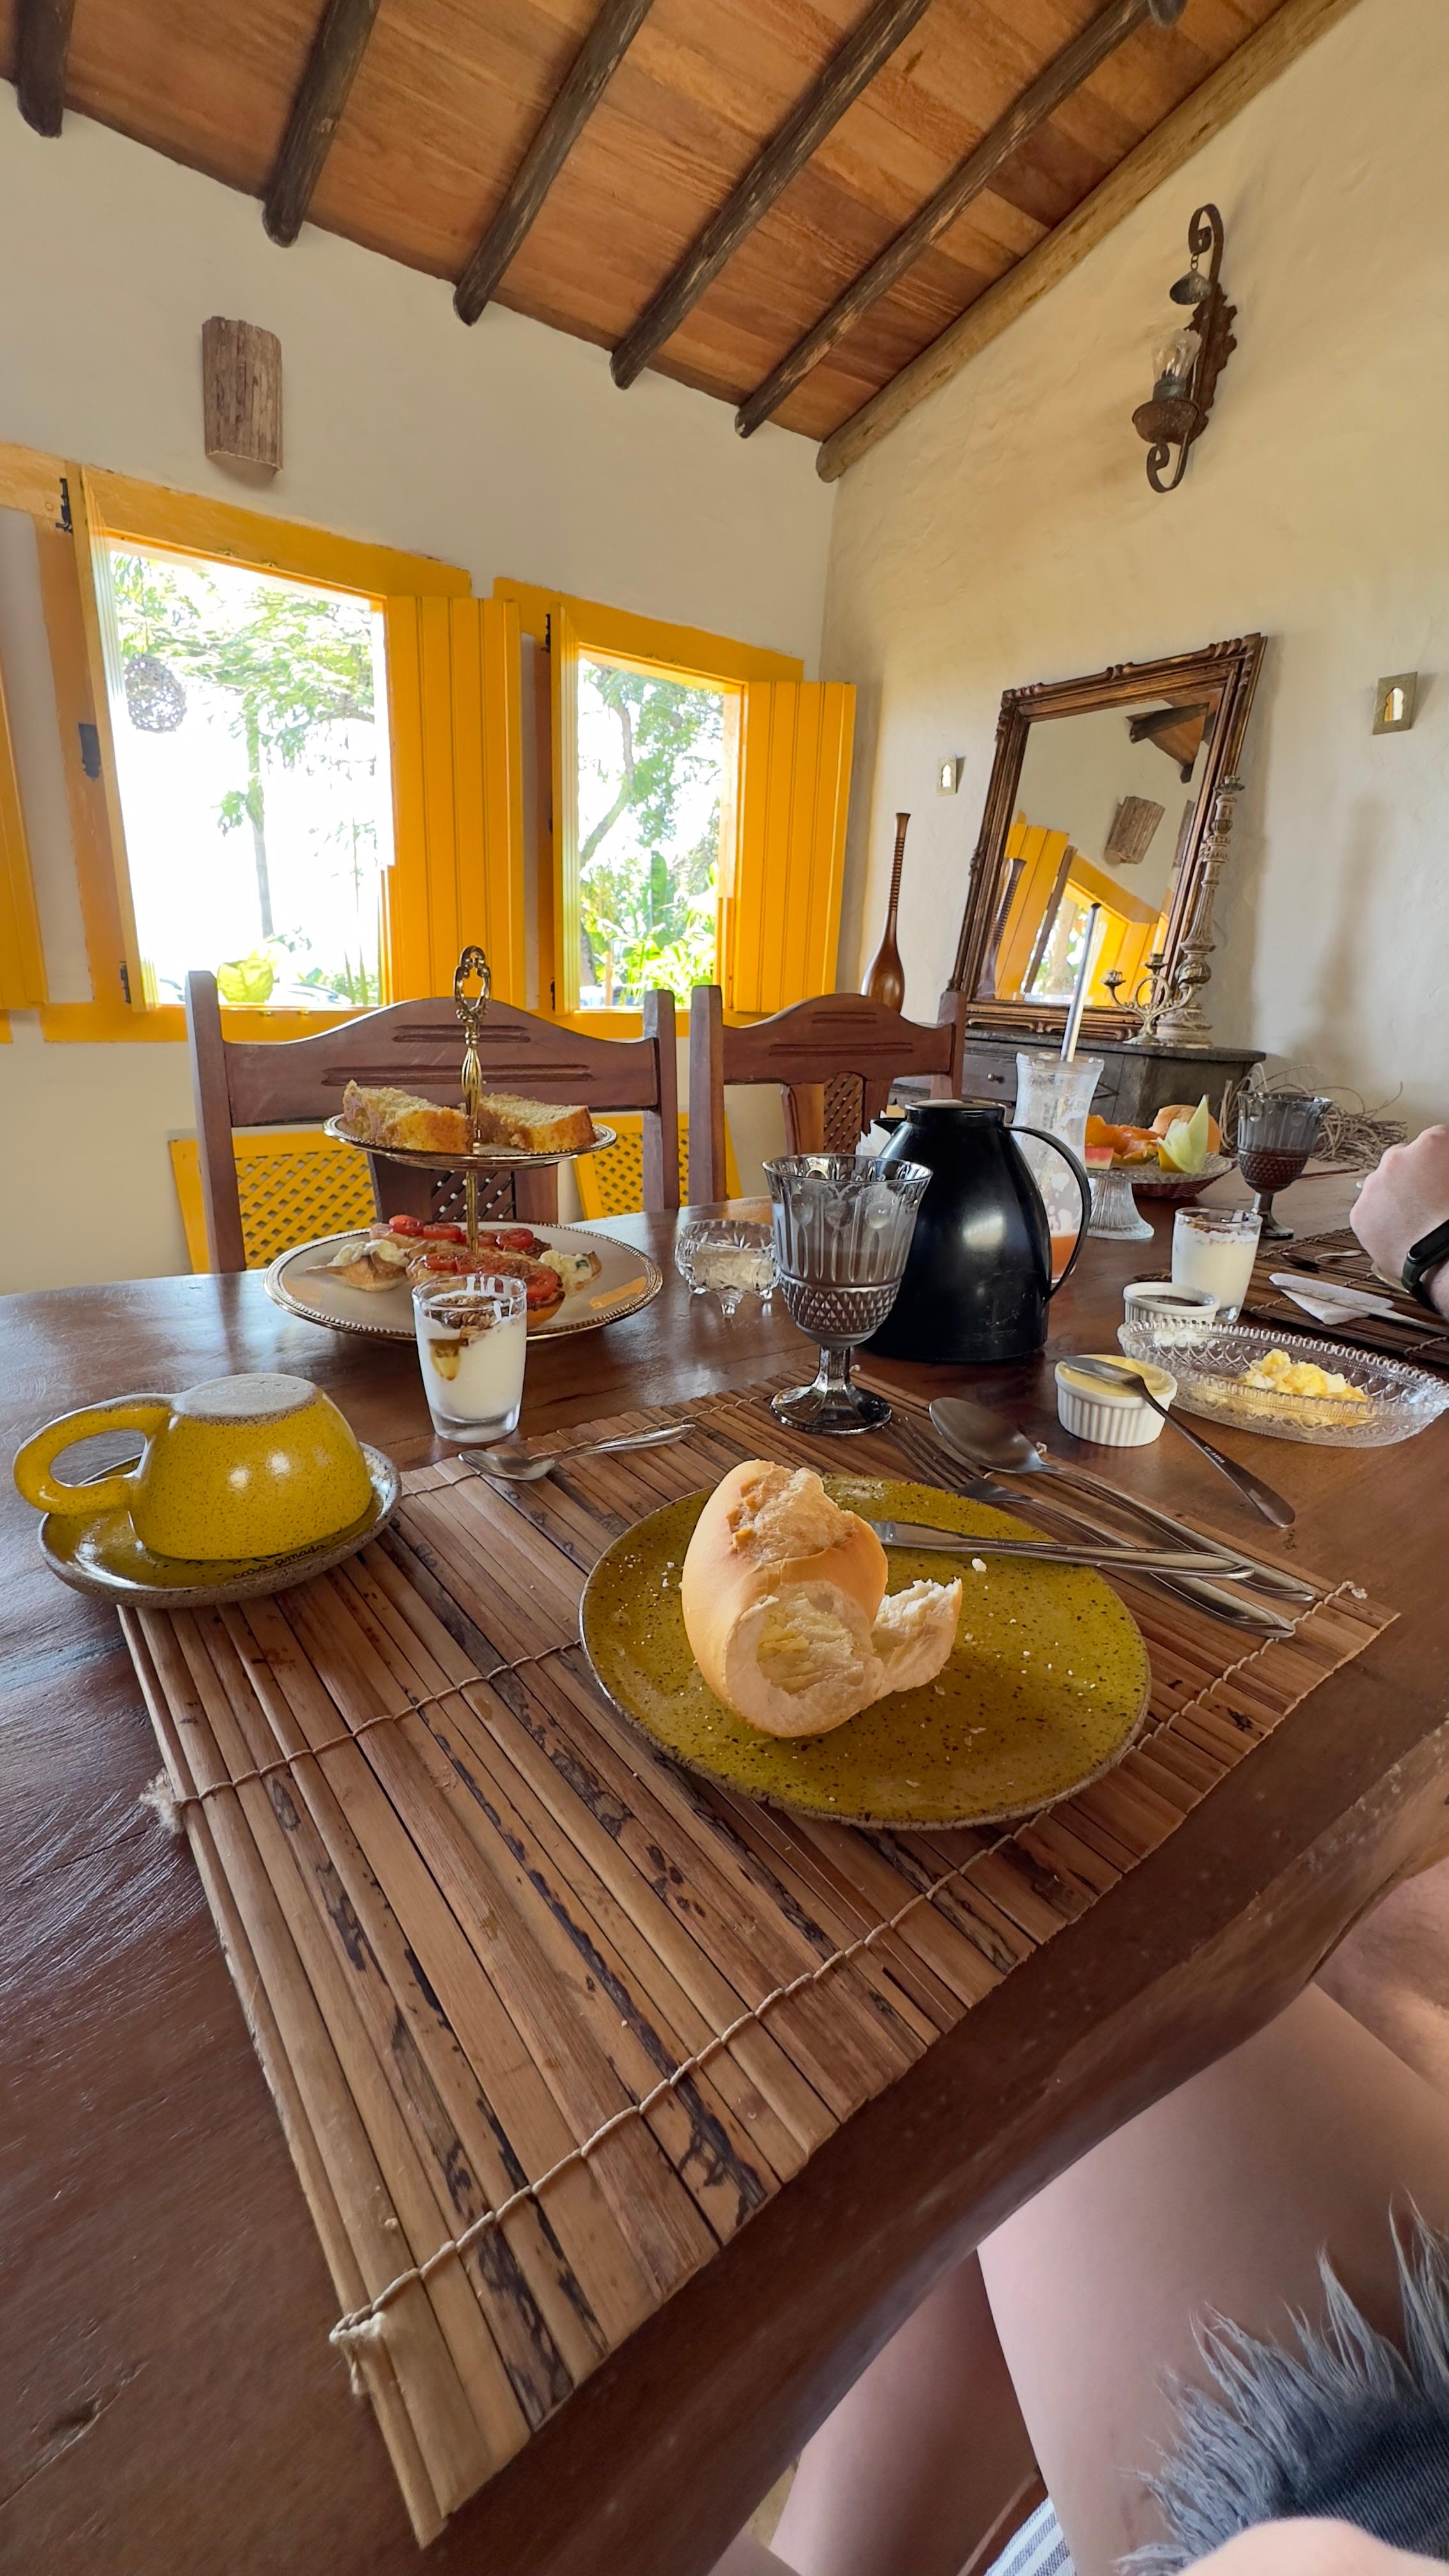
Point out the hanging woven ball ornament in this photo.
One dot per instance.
(155, 698)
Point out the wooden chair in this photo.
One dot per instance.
(419, 1046)
(834, 1058)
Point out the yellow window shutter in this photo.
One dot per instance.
(22, 963)
(780, 919)
(455, 705)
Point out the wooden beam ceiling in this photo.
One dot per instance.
(42, 44)
(593, 67)
(1272, 47)
(332, 67)
(871, 43)
(1063, 74)
(766, 182)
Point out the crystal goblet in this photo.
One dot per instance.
(1275, 1140)
(842, 1226)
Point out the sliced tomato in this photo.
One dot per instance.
(545, 1289)
(444, 1234)
(406, 1224)
(520, 1238)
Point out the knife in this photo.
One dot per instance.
(1144, 1560)
(1231, 1607)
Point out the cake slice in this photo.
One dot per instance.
(533, 1126)
(379, 1115)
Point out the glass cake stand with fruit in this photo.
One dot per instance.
(1172, 1161)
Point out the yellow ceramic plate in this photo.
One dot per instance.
(100, 1552)
(1045, 1688)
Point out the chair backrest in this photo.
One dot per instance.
(418, 1046)
(834, 1058)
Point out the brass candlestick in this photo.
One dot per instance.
(470, 1009)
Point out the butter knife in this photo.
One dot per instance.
(1144, 1560)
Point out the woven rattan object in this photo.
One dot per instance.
(546, 2017)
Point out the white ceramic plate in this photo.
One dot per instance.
(299, 1280)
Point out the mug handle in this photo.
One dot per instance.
(1083, 1184)
(51, 1493)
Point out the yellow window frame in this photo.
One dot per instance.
(74, 508)
(567, 627)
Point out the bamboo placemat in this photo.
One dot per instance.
(545, 2017)
(1269, 1305)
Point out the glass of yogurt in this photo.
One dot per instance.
(472, 1339)
(1215, 1248)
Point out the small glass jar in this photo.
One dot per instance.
(472, 1342)
(729, 1256)
(1160, 1317)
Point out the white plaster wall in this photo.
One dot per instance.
(1006, 533)
(506, 449)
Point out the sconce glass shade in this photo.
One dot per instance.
(1175, 356)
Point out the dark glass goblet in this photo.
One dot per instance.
(1275, 1140)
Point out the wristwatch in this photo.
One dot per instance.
(1423, 1257)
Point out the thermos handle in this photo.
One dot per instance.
(1083, 1184)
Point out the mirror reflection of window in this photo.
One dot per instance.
(1100, 818)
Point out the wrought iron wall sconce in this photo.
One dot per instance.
(1189, 359)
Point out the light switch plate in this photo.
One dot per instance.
(948, 777)
(1394, 702)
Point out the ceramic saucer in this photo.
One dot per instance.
(100, 1552)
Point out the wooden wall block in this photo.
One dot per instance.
(241, 384)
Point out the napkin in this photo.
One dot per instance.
(1336, 1302)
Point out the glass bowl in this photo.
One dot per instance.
(1401, 1400)
(729, 1256)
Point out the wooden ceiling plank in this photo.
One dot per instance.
(594, 65)
(42, 43)
(1278, 41)
(870, 44)
(1065, 73)
(340, 43)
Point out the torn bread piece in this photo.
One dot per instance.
(784, 1604)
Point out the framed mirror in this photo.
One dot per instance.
(1101, 792)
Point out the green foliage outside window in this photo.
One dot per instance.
(647, 911)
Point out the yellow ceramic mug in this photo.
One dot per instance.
(240, 1467)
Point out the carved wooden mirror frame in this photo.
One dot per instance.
(1232, 667)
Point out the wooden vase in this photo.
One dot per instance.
(886, 977)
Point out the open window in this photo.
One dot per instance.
(304, 756)
(697, 792)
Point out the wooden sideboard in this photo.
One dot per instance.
(1136, 1081)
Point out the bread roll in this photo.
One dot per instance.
(784, 1605)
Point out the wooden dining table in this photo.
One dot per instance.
(172, 2407)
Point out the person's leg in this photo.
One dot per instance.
(922, 2458)
(1392, 1973)
(1219, 2198)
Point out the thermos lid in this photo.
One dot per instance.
(988, 1112)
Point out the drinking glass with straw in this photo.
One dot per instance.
(1055, 1097)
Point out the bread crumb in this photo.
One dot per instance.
(978, 1565)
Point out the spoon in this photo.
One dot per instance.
(1262, 1497)
(521, 1466)
(982, 1438)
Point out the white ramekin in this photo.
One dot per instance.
(1114, 1418)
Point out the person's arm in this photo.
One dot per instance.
(1401, 1202)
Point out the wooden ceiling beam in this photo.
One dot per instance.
(337, 50)
(42, 43)
(872, 42)
(1066, 71)
(852, 65)
(1259, 60)
(593, 67)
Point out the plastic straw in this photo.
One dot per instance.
(1079, 998)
